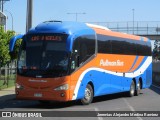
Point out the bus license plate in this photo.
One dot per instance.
(37, 95)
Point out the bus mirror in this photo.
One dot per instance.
(12, 54)
(12, 44)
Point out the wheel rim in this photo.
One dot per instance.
(88, 93)
(138, 87)
(132, 89)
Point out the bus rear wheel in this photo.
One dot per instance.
(88, 97)
(132, 89)
(138, 90)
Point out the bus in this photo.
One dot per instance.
(65, 61)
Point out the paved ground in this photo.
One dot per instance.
(148, 100)
(7, 94)
(7, 91)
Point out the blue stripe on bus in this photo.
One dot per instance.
(142, 39)
(106, 83)
(134, 62)
(144, 59)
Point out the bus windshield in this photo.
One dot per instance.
(43, 55)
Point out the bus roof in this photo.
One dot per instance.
(70, 27)
(64, 27)
(105, 31)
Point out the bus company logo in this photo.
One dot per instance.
(111, 63)
(43, 81)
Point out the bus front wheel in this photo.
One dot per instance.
(88, 97)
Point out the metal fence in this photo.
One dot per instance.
(136, 27)
(8, 75)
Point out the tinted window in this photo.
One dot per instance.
(114, 45)
(143, 48)
(123, 46)
(44, 55)
(104, 44)
(83, 48)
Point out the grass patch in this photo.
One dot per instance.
(3, 83)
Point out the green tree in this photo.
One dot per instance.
(5, 57)
(4, 46)
(156, 50)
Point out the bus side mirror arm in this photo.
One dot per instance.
(12, 43)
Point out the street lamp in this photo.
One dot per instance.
(133, 20)
(29, 14)
(11, 17)
(2, 4)
(76, 14)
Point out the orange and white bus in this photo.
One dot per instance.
(64, 61)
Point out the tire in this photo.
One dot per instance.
(138, 88)
(131, 92)
(88, 97)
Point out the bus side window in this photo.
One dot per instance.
(75, 55)
(22, 54)
(83, 48)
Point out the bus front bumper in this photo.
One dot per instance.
(61, 96)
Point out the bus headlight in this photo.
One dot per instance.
(18, 86)
(62, 87)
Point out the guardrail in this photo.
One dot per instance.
(8, 75)
(136, 27)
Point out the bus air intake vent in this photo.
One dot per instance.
(52, 21)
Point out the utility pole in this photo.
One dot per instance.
(29, 14)
(2, 4)
(133, 21)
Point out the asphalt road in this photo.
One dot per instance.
(148, 100)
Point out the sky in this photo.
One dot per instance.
(96, 11)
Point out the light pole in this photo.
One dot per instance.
(11, 17)
(2, 4)
(77, 14)
(29, 14)
(133, 20)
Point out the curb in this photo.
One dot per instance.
(7, 91)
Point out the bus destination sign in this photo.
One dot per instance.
(47, 38)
